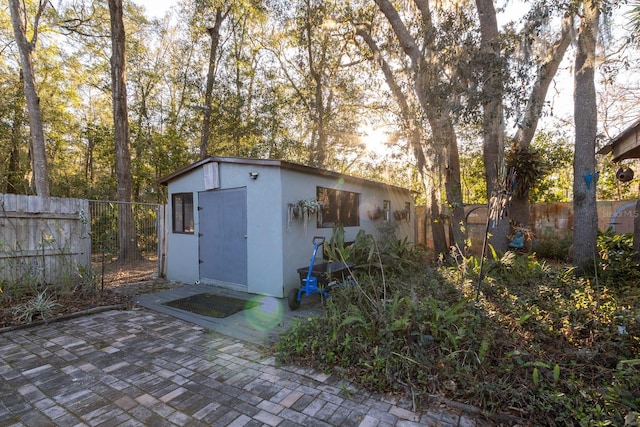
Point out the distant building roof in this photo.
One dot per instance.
(626, 145)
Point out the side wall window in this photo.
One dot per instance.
(386, 208)
(338, 208)
(182, 208)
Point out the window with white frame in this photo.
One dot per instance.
(386, 210)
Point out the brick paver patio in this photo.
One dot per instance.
(140, 367)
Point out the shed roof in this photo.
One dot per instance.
(626, 145)
(273, 163)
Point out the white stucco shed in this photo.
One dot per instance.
(231, 223)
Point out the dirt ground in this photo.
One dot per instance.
(127, 278)
(115, 285)
(115, 273)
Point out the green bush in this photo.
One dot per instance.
(42, 305)
(552, 249)
(389, 256)
(388, 339)
(619, 266)
(539, 344)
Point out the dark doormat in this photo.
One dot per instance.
(212, 305)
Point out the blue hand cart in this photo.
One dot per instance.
(318, 278)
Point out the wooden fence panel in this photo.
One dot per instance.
(43, 240)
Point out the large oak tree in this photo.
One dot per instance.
(585, 221)
(26, 46)
(426, 73)
(126, 224)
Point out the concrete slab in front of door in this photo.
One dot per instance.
(260, 325)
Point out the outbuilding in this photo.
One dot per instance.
(248, 224)
(625, 145)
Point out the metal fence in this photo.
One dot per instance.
(105, 244)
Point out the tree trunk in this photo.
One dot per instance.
(436, 221)
(427, 168)
(26, 48)
(585, 220)
(429, 171)
(128, 248)
(493, 113)
(214, 32)
(443, 127)
(318, 149)
(519, 212)
(89, 155)
(426, 71)
(636, 230)
(14, 176)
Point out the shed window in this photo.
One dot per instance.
(182, 208)
(386, 208)
(338, 208)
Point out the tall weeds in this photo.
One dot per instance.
(540, 344)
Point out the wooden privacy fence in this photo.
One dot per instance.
(43, 240)
(49, 240)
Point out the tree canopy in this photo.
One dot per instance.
(431, 85)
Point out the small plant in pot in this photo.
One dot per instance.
(302, 210)
(401, 214)
(376, 213)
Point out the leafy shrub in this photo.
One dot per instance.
(87, 280)
(41, 305)
(358, 252)
(389, 340)
(618, 263)
(530, 165)
(539, 344)
(390, 256)
(552, 249)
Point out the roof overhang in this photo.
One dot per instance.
(626, 145)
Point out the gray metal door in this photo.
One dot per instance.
(223, 235)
